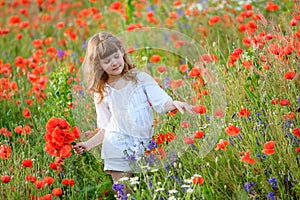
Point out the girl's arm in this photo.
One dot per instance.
(95, 140)
(159, 99)
(181, 106)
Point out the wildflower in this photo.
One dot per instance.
(68, 182)
(26, 113)
(185, 124)
(198, 179)
(271, 6)
(222, 145)
(198, 134)
(30, 178)
(296, 132)
(57, 192)
(195, 72)
(59, 137)
(244, 112)
(27, 163)
(200, 109)
(161, 69)
(5, 179)
(188, 140)
(269, 148)
(232, 130)
(248, 186)
(155, 58)
(247, 159)
(5, 151)
(284, 102)
(39, 184)
(213, 20)
(48, 180)
(293, 22)
(183, 68)
(289, 75)
(273, 182)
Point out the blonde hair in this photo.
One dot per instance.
(100, 46)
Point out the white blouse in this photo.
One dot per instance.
(127, 117)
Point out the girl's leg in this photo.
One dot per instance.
(116, 175)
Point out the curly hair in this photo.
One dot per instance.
(100, 46)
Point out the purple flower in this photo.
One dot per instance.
(273, 182)
(248, 186)
(60, 53)
(271, 196)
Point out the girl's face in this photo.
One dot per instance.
(113, 65)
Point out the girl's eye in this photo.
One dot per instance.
(117, 56)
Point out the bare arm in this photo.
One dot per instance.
(97, 139)
(181, 106)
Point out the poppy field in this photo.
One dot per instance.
(236, 62)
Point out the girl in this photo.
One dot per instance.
(123, 98)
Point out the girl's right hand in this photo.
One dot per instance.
(80, 148)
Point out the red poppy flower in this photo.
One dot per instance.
(160, 138)
(46, 197)
(183, 68)
(26, 113)
(289, 75)
(170, 136)
(285, 102)
(198, 179)
(198, 134)
(269, 148)
(53, 165)
(60, 25)
(5, 179)
(155, 58)
(185, 124)
(48, 180)
(26, 129)
(222, 145)
(244, 112)
(213, 20)
(30, 178)
(27, 163)
(68, 182)
(161, 69)
(232, 130)
(5, 151)
(39, 184)
(188, 140)
(195, 72)
(293, 22)
(18, 129)
(57, 192)
(219, 113)
(200, 109)
(208, 58)
(296, 132)
(297, 149)
(271, 6)
(247, 159)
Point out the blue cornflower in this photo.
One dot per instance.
(152, 145)
(118, 187)
(271, 196)
(248, 186)
(60, 53)
(273, 182)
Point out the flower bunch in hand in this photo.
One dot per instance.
(59, 136)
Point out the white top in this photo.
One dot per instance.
(127, 117)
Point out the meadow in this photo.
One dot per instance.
(236, 62)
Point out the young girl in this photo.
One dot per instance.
(123, 98)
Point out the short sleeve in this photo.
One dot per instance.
(103, 112)
(156, 95)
